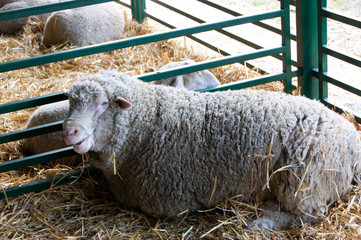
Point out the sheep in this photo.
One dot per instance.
(167, 150)
(45, 114)
(85, 25)
(14, 26)
(191, 81)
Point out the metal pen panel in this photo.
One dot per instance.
(134, 41)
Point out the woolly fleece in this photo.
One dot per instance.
(178, 150)
(85, 25)
(45, 114)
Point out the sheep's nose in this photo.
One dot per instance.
(69, 134)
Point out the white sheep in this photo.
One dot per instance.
(45, 114)
(167, 150)
(14, 26)
(191, 81)
(85, 25)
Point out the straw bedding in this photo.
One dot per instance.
(85, 209)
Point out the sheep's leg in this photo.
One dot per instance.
(271, 220)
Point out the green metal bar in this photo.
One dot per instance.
(286, 42)
(134, 41)
(307, 43)
(31, 132)
(342, 85)
(51, 7)
(237, 14)
(338, 83)
(322, 57)
(340, 110)
(342, 56)
(341, 18)
(33, 102)
(36, 159)
(251, 82)
(210, 64)
(43, 184)
(206, 44)
(138, 9)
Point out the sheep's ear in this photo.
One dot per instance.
(123, 104)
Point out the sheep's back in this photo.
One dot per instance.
(205, 147)
(85, 25)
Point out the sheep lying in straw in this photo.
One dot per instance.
(85, 25)
(167, 150)
(191, 81)
(13, 26)
(45, 114)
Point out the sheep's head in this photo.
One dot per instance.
(87, 102)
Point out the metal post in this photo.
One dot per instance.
(138, 10)
(286, 41)
(307, 46)
(322, 58)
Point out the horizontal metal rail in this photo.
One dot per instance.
(32, 102)
(342, 56)
(134, 41)
(50, 7)
(237, 14)
(210, 64)
(340, 84)
(340, 109)
(31, 132)
(43, 184)
(251, 82)
(341, 18)
(36, 159)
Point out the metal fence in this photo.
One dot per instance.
(306, 68)
(324, 50)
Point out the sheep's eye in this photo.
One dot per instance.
(105, 104)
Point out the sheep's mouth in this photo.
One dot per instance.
(84, 145)
(77, 144)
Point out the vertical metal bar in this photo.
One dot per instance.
(307, 46)
(322, 57)
(286, 41)
(138, 9)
